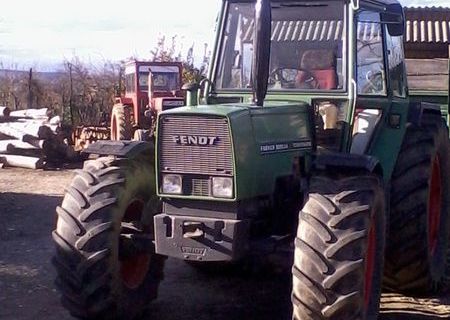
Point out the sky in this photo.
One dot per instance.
(42, 33)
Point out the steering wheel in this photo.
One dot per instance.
(308, 80)
(374, 82)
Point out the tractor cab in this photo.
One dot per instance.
(164, 83)
(343, 58)
(150, 87)
(153, 85)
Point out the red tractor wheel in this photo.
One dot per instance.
(416, 251)
(121, 125)
(105, 256)
(339, 249)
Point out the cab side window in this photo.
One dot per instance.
(130, 85)
(396, 64)
(371, 77)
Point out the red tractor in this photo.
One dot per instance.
(150, 87)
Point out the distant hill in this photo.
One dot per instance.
(46, 76)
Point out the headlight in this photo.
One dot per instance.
(172, 184)
(222, 187)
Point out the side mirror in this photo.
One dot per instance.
(394, 18)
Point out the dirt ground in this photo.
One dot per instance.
(27, 217)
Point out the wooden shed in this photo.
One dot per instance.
(427, 48)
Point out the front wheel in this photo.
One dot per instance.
(339, 249)
(105, 261)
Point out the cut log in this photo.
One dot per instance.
(34, 141)
(9, 131)
(5, 137)
(5, 112)
(45, 133)
(55, 120)
(19, 129)
(4, 144)
(10, 149)
(31, 113)
(23, 162)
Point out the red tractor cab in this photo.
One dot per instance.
(150, 87)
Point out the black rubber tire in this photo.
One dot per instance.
(90, 219)
(121, 126)
(332, 241)
(410, 266)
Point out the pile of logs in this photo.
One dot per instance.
(30, 139)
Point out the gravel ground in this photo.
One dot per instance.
(27, 202)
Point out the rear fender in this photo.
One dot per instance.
(418, 109)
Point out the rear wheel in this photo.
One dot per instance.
(105, 261)
(416, 252)
(121, 126)
(339, 249)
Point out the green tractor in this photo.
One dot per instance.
(306, 135)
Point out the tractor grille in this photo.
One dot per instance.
(180, 149)
(196, 186)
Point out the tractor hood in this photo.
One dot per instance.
(258, 144)
(231, 109)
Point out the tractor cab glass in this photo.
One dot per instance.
(164, 78)
(307, 47)
(370, 60)
(161, 78)
(143, 81)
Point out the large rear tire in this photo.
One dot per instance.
(339, 249)
(416, 251)
(121, 126)
(105, 261)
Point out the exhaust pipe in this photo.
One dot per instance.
(261, 50)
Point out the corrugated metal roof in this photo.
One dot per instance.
(322, 30)
(423, 25)
(306, 30)
(427, 24)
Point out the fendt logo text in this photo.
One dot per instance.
(195, 140)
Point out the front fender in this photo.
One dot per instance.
(123, 149)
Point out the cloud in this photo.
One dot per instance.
(426, 3)
(101, 29)
(46, 29)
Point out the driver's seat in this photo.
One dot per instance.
(322, 65)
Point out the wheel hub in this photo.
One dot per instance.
(135, 264)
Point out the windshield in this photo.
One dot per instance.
(165, 81)
(306, 46)
(162, 81)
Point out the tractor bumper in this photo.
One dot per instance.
(199, 238)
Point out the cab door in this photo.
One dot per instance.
(381, 103)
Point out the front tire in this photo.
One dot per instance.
(105, 261)
(339, 249)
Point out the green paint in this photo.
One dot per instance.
(285, 117)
